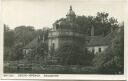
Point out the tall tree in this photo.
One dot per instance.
(101, 22)
(24, 34)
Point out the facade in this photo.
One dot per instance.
(99, 44)
(65, 31)
(96, 44)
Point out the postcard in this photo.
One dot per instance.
(63, 39)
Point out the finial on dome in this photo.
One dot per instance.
(70, 7)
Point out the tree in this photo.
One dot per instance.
(9, 40)
(112, 60)
(101, 23)
(15, 40)
(85, 23)
(69, 54)
(9, 37)
(72, 54)
(24, 34)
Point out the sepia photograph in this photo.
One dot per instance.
(63, 36)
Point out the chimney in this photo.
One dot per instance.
(92, 30)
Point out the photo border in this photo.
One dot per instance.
(67, 76)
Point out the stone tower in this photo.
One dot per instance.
(65, 31)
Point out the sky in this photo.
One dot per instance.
(43, 13)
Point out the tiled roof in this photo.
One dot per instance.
(95, 41)
(34, 43)
(107, 39)
(100, 40)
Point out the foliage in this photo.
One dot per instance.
(72, 54)
(38, 53)
(112, 60)
(9, 40)
(15, 40)
(102, 24)
(9, 37)
(69, 54)
(24, 34)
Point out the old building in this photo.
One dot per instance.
(65, 31)
(98, 44)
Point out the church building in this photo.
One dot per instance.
(65, 31)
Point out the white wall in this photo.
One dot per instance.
(26, 51)
(55, 41)
(96, 48)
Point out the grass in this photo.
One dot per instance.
(49, 69)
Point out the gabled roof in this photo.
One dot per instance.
(100, 40)
(34, 43)
(95, 41)
(108, 39)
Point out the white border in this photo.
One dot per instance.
(70, 76)
(1, 41)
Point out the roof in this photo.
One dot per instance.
(34, 43)
(100, 40)
(95, 41)
(107, 39)
(71, 12)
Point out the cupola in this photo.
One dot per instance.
(71, 14)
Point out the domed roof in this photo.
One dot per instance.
(71, 12)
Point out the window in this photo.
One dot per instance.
(93, 50)
(53, 46)
(99, 49)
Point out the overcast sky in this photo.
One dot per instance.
(43, 13)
